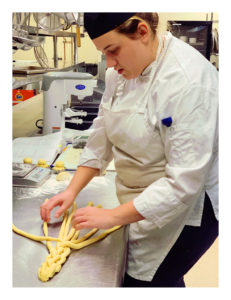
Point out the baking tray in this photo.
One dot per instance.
(32, 70)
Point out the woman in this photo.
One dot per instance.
(158, 120)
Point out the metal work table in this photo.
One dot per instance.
(98, 265)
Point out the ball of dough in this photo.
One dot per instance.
(42, 163)
(27, 160)
(59, 164)
(63, 176)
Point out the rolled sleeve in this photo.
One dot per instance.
(189, 147)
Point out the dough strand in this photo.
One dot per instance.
(83, 244)
(45, 230)
(66, 230)
(34, 237)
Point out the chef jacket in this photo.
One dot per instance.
(161, 129)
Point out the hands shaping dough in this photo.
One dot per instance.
(67, 240)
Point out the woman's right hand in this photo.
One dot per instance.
(64, 200)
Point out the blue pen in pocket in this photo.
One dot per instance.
(167, 121)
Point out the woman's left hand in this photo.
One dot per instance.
(93, 217)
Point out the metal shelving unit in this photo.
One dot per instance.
(20, 80)
(55, 34)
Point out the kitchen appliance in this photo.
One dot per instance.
(58, 87)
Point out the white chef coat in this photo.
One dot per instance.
(165, 170)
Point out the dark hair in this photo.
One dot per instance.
(129, 27)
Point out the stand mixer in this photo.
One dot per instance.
(57, 90)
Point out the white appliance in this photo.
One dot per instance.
(57, 90)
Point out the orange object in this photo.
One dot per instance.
(22, 95)
(78, 36)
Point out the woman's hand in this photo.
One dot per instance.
(64, 200)
(93, 217)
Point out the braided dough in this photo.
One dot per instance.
(67, 240)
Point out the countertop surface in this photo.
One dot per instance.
(98, 265)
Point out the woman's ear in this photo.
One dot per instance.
(142, 31)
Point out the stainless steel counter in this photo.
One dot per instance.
(98, 265)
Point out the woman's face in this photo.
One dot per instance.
(128, 57)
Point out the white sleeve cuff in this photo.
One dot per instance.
(162, 209)
(89, 159)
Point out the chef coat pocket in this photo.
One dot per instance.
(181, 147)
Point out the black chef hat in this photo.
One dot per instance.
(97, 24)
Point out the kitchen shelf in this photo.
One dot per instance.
(32, 30)
(21, 80)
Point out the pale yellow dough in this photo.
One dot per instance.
(42, 163)
(34, 237)
(59, 166)
(63, 176)
(67, 240)
(27, 160)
